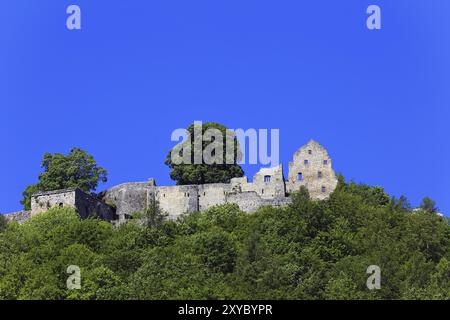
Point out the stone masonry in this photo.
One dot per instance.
(85, 204)
(267, 188)
(311, 167)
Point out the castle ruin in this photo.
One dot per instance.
(310, 167)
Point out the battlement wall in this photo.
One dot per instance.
(212, 194)
(176, 200)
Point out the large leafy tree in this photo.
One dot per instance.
(77, 169)
(192, 173)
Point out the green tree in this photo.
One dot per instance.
(123, 250)
(27, 193)
(370, 195)
(3, 222)
(41, 284)
(216, 249)
(77, 169)
(439, 285)
(342, 287)
(170, 273)
(99, 283)
(428, 205)
(191, 173)
(153, 216)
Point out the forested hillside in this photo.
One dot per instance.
(309, 250)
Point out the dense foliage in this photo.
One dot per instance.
(309, 250)
(221, 171)
(3, 223)
(78, 169)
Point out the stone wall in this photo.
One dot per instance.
(19, 216)
(267, 188)
(176, 200)
(128, 198)
(251, 201)
(212, 194)
(44, 201)
(269, 183)
(85, 204)
(88, 206)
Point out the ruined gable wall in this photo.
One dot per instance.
(315, 154)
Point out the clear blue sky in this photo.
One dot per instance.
(377, 100)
